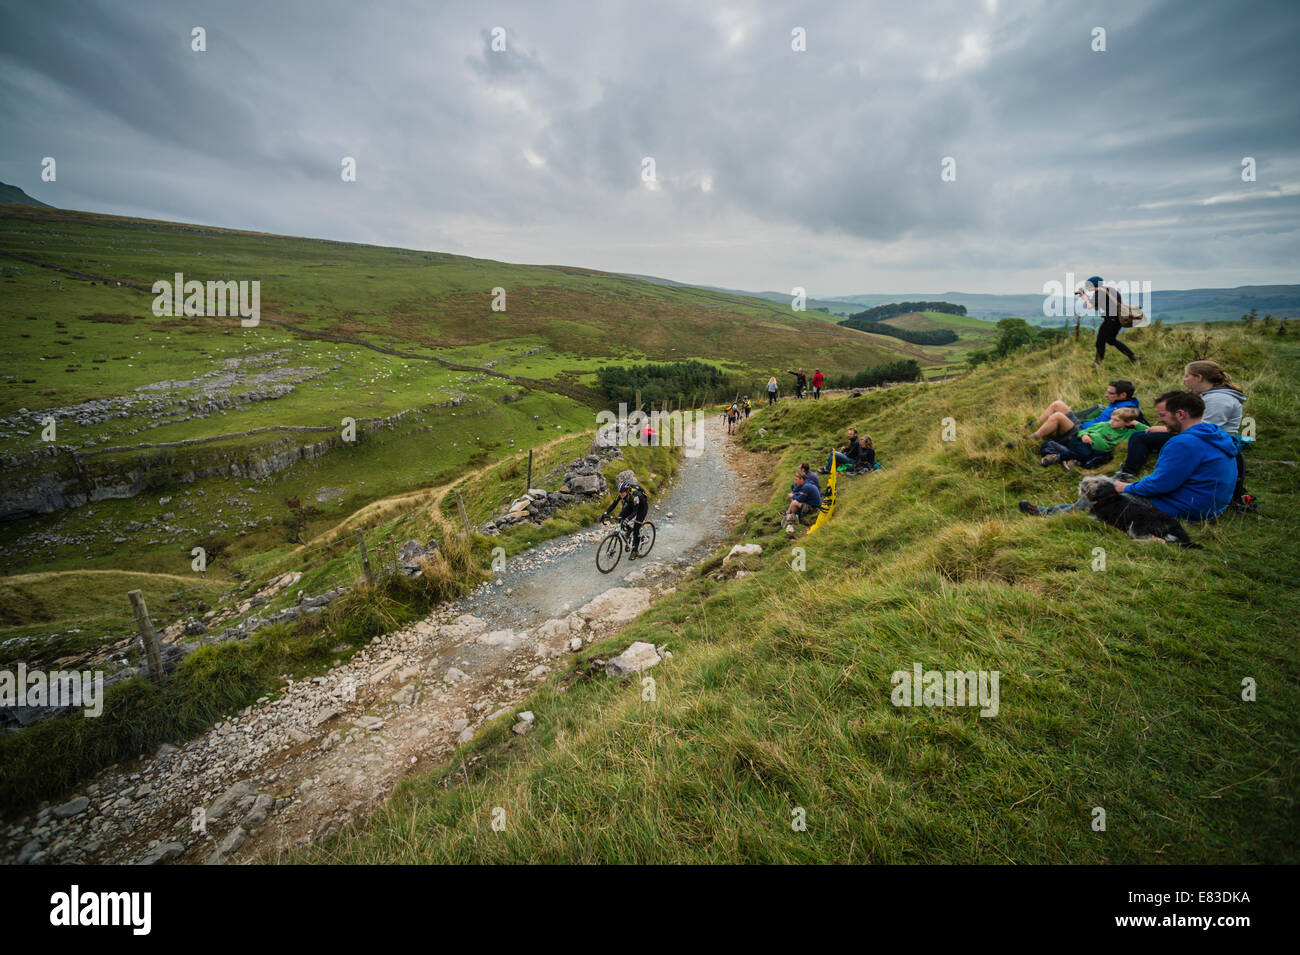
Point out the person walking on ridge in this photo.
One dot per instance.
(1106, 301)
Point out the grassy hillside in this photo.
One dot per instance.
(427, 299)
(15, 195)
(972, 334)
(180, 420)
(1170, 306)
(936, 360)
(1120, 689)
(821, 309)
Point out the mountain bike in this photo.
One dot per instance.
(611, 548)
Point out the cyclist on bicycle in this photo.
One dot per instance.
(636, 505)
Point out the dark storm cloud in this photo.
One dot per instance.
(773, 167)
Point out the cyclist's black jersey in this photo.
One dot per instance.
(637, 505)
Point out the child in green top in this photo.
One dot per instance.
(1101, 438)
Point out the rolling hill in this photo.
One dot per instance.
(129, 438)
(13, 194)
(1173, 305)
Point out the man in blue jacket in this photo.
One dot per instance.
(805, 496)
(1193, 484)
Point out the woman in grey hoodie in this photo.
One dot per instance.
(1223, 401)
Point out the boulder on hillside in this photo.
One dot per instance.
(639, 656)
(411, 553)
(587, 483)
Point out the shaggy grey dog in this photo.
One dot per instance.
(1134, 515)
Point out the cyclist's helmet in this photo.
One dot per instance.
(624, 486)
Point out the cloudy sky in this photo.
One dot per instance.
(773, 167)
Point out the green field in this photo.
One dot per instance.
(186, 412)
(1121, 688)
(937, 360)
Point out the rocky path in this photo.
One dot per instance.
(290, 770)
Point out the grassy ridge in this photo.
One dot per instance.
(1120, 689)
(972, 333)
(74, 339)
(400, 296)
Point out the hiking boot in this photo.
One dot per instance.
(1030, 508)
(823, 470)
(632, 555)
(1123, 476)
(1049, 460)
(1068, 465)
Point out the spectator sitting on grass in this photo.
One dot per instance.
(868, 457)
(1194, 477)
(807, 498)
(1094, 440)
(1062, 424)
(1223, 407)
(850, 454)
(804, 474)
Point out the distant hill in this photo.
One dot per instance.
(1175, 305)
(15, 195)
(824, 309)
(1187, 305)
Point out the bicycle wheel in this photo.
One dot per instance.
(647, 539)
(609, 554)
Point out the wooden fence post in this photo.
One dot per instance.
(365, 559)
(464, 514)
(529, 485)
(152, 654)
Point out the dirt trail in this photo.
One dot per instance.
(292, 770)
(41, 575)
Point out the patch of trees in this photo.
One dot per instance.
(905, 370)
(934, 336)
(1013, 335)
(691, 381)
(882, 312)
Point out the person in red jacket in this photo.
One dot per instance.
(818, 378)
